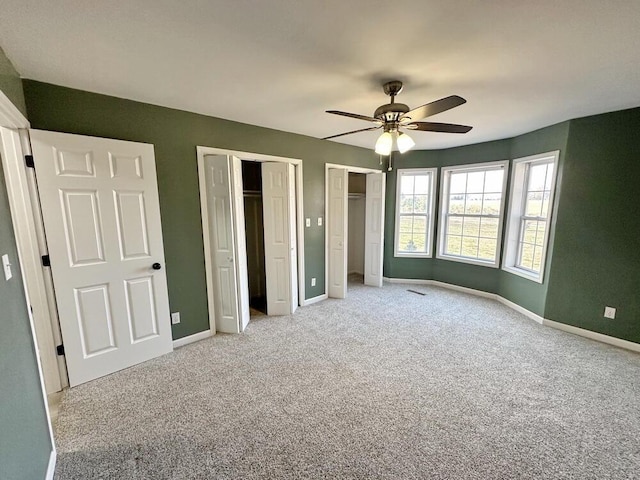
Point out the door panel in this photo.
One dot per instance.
(228, 244)
(338, 231)
(102, 221)
(279, 237)
(374, 229)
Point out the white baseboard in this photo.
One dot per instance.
(181, 342)
(600, 337)
(51, 468)
(311, 301)
(514, 306)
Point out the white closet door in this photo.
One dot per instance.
(278, 197)
(225, 215)
(101, 213)
(338, 231)
(374, 229)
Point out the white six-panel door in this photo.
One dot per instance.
(223, 180)
(101, 213)
(374, 229)
(338, 231)
(278, 200)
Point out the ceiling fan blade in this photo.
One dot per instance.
(354, 115)
(432, 108)
(438, 127)
(354, 131)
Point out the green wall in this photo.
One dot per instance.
(175, 135)
(596, 256)
(524, 292)
(25, 444)
(10, 83)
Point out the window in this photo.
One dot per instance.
(532, 186)
(414, 212)
(471, 213)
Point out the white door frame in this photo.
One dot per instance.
(297, 163)
(350, 169)
(24, 220)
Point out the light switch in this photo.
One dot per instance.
(319, 221)
(308, 222)
(6, 265)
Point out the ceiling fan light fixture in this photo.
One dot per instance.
(384, 144)
(405, 142)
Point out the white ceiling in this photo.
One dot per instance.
(521, 65)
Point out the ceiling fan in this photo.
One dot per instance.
(392, 117)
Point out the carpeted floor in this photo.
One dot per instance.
(385, 384)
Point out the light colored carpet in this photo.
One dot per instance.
(384, 384)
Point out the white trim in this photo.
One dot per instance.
(515, 211)
(201, 151)
(520, 309)
(350, 169)
(10, 116)
(432, 173)
(51, 468)
(444, 192)
(311, 301)
(600, 337)
(196, 337)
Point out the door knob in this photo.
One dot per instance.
(156, 266)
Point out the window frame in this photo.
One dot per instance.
(444, 206)
(516, 215)
(432, 172)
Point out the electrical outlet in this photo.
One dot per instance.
(175, 318)
(319, 221)
(308, 222)
(609, 312)
(313, 281)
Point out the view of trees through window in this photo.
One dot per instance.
(414, 209)
(533, 222)
(472, 213)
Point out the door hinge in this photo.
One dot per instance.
(60, 350)
(46, 261)
(28, 160)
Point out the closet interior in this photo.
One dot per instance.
(254, 227)
(356, 215)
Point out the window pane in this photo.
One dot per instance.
(420, 204)
(493, 181)
(537, 259)
(470, 247)
(487, 249)
(422, 184)
(491, 204)
(475, 182)
(458, 183)
(409, 243)
(420, 224)
(545, 205)
(489, 227)
(529, 234)
(406, 203)
(534, 204)
(537, 177)
(542, 226)
(547, 183)
(473, 203)
(471, 227)
(454, 245)
(406, 184)
(454, 225)
(406, 224)
(526, 256)
(456, 203)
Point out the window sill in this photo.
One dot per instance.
(411, 255)
(523, 273)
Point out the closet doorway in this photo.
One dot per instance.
(251, 215)
(355, 228)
